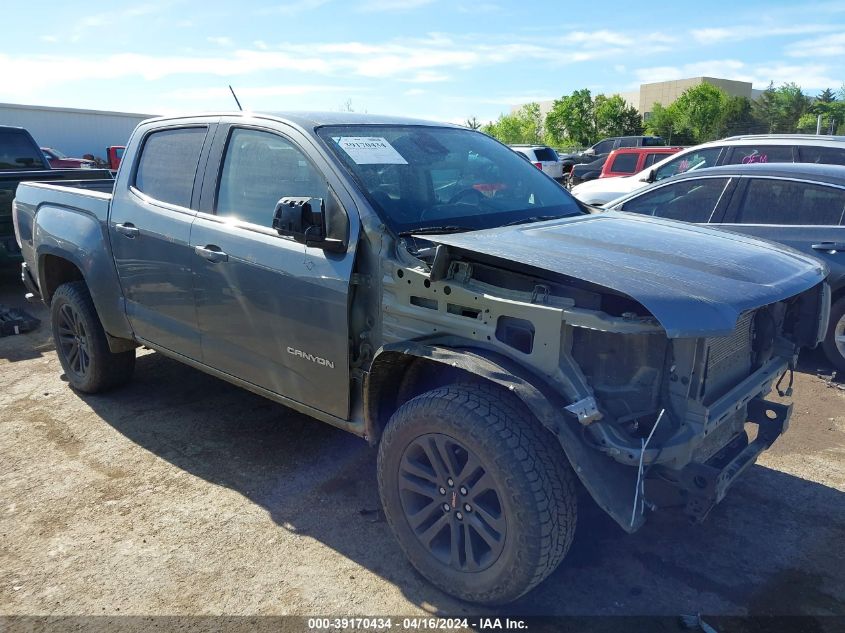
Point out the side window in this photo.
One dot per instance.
(604, 147)
(624, 163)
(628, 142)
(652, 140)
(690, 200)
(258, 170)
(748, 154)
(168, 164)
(650, 159)
(824, 155)
(687, 161)
(771, 201)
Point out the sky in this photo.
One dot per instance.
(445, 60)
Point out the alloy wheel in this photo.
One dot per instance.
(451, 503)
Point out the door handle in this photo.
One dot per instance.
(127, 229)
(212, 253)
(829, 246)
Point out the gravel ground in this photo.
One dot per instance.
(181, 494)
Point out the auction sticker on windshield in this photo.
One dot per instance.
(370, 150)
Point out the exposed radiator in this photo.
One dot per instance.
(729, 359)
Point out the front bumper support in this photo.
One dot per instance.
(705, 484)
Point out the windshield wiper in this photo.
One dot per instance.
(535, 218)
(434, 230)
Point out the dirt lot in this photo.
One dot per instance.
(181, 494)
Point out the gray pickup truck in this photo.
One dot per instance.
(427, 289)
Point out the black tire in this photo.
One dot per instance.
(525, 492)
(81, 343)
(836, 329)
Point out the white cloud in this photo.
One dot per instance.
(829, 46)
(808, 76)
(379, 6)
(292, 8)
(286, 90)
(718, 35)
(221, 41)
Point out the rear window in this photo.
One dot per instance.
(750, 154)
(18, 152)
(624, 163)
(824, 155)
(168, 164)
(772, 201)
(546, 154)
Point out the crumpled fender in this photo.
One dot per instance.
(610, 484)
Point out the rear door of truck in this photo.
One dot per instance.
(271, 311)
(152, 211)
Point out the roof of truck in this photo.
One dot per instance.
(317, 119)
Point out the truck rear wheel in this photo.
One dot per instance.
(477, 492)
(81, 342)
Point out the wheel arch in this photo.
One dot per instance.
(402, 371)
(58, 267)
(386, 388)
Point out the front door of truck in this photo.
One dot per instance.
(149, 227)
(271, 311)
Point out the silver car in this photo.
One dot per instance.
(543, 157)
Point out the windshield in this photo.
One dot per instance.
(428, 177)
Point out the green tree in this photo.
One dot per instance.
(572, 118)
(780, 109)
(826, 96)
(614, 117)
(766, 109)
(523, 126)
(699, 111)
(472, 123)
(792, 105)
(737, 117)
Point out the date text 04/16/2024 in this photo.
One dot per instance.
(415, 624)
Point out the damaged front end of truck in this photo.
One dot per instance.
(650, 363)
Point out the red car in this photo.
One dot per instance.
(59, 160)
(631, 160)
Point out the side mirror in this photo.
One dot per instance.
(304, 219)
(652, 176)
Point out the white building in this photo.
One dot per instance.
(71, 131)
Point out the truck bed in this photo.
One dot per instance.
(96, 179)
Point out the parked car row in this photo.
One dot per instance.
(620, 162)
(737, 150)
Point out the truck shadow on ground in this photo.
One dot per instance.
(769, 548)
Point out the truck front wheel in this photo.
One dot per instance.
(81, 343)
(477, 493)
